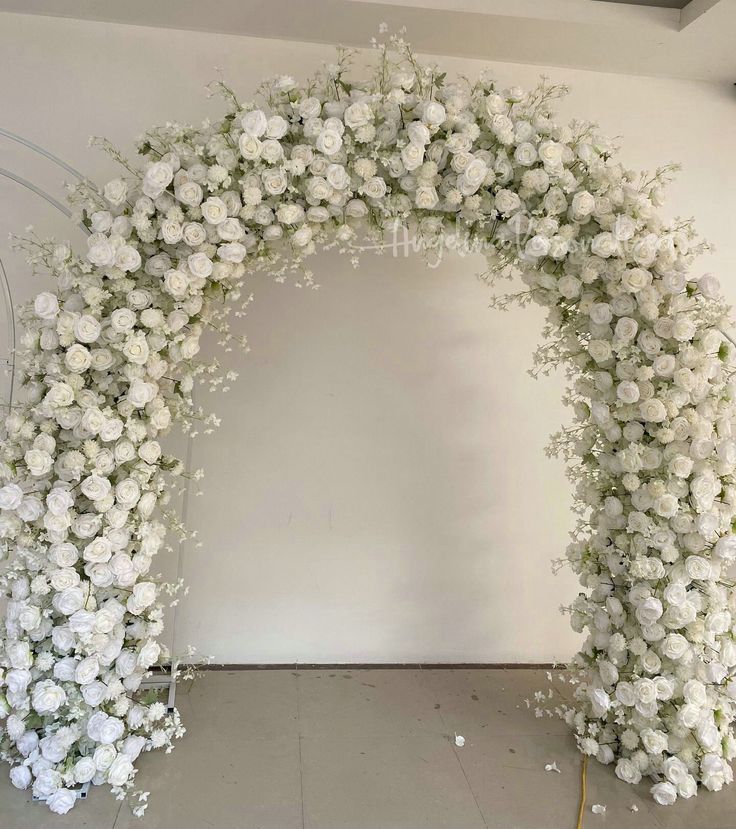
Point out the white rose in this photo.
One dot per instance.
(127, 259)
(46, 783)
(604, 245)
(214, 210)
(20, 777)
(29, 617)
(357, 115)
(583, 204)
(122, 320)
(157, 178)
(144, 594)
(96, 487)
(374, 188)
(17, 680)
(104, 757)
(652, 410)
(303, 236)
(600, 350)
(426, 198)
(525, 154)
(666, 505)
(698, 568)
(645, 690)
(627, 392)
(725, 548)
(655, 742)
(119, 771)
(48, 697)
(412, 155)
(11, 496)
(84, 770)
(136, 349)
(115, 191)
(636, 279)
(69, 601)
(200, 265)
(625, 693)
(86, 670)
(38, 462)
(94, 693)
(86, 328)
(537, 246)
(329, 142)
(418, 133)
(140, 393)
(600, 701)
(64, 578)
(715, 772)
(61, 801)
(19, 655)
(472, 177)
(189, 193)
(664, 793)
(101, 359)
(649, 611)
(46, 306)
(127, 493)
(98, 551)
(132, 746)
(277, 127)
(694, 693)
(628, 771)
(433, 113)
(337, 177)
(506, 202)
(255, 123)
(149, 654)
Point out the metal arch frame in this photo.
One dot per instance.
(47, 197)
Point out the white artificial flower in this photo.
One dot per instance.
(329, 142)
(157, 178)
(47, 697)
(46, 306)
(87, 328)
(664, 793)
(115, 192)
(11, 496)
(255, 123)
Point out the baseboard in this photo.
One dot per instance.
(383, 666)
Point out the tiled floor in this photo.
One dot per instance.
(370, 749)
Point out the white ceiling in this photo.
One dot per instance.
(631, 38)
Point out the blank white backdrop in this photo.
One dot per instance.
(377, 491)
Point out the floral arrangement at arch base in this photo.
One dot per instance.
(111, 359)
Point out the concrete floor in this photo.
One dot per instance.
(370, 749)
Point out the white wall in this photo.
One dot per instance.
(378, 490)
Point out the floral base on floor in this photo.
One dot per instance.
(111, 359)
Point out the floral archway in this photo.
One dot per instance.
(111, 359)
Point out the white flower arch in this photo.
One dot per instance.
(111, 360)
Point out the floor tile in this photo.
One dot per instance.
(371, 749)
(249, 704)
(224, 782)
(507, 775)
(385, 782)
(97, 811)
(473, 702)
(708, 810)
(366, 702)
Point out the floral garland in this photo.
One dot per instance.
(111, 361)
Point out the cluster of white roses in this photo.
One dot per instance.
(111, 360)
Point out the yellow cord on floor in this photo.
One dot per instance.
(583, 791)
